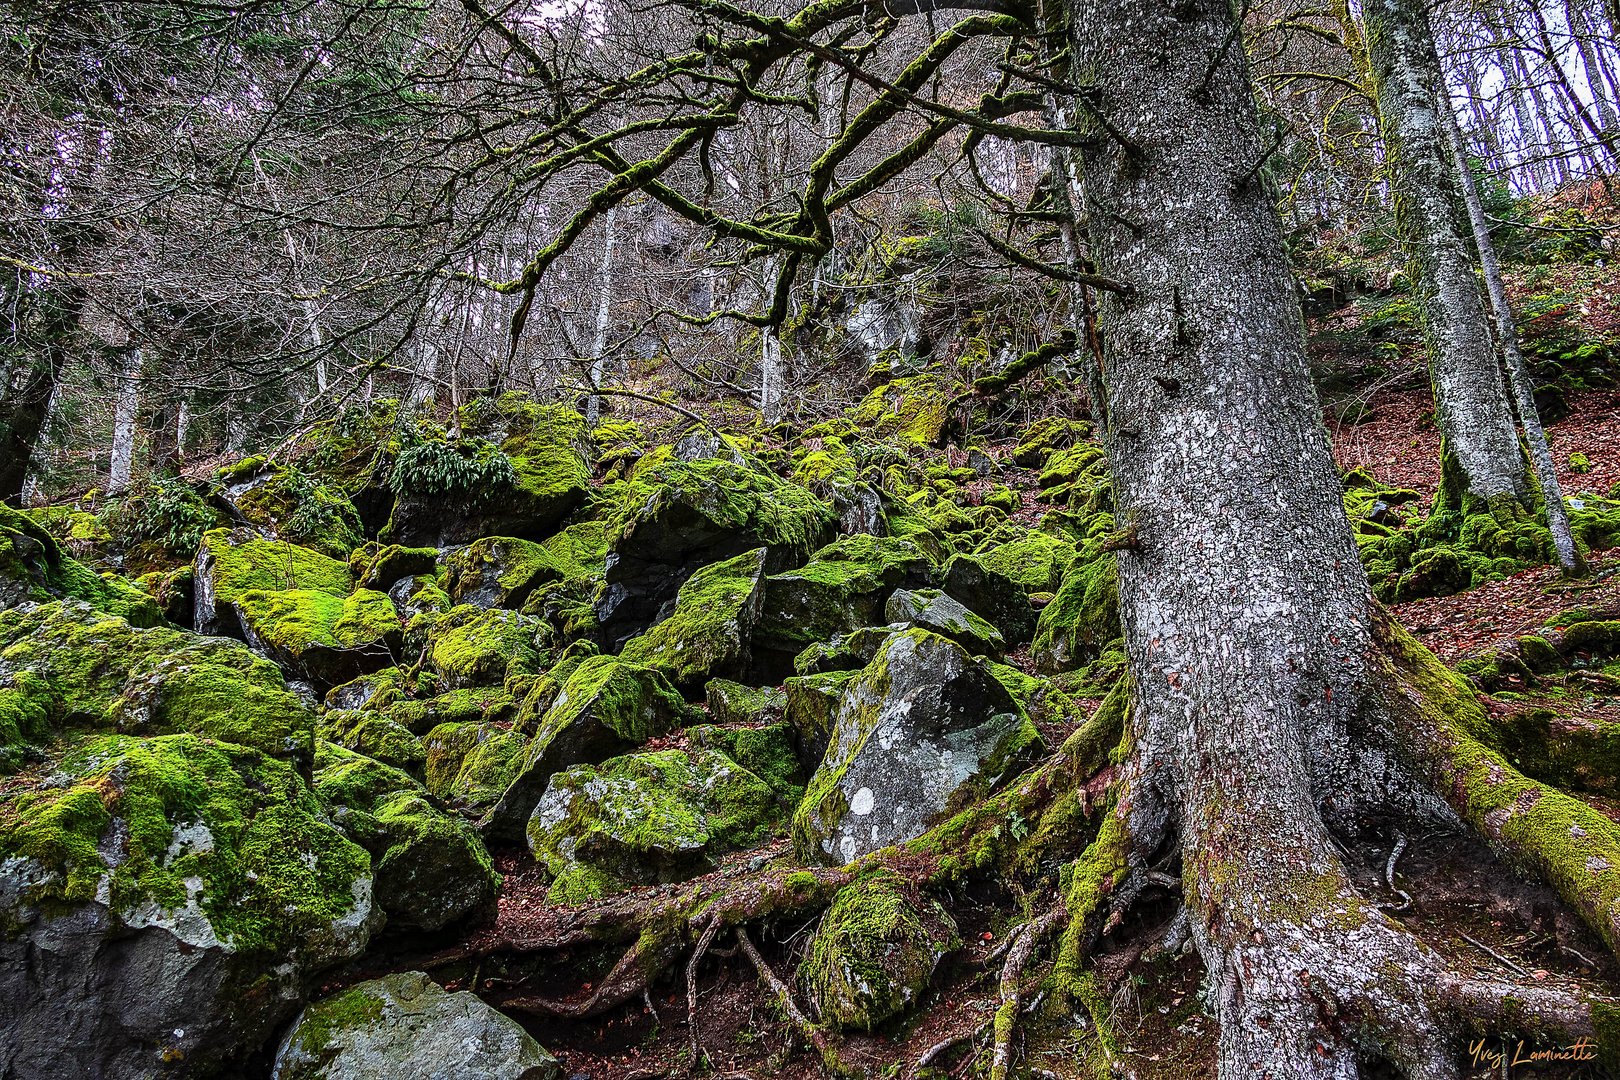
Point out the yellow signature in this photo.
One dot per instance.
(1584, 1050)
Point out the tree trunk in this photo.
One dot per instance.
(770, 352)
(126, 409)
(1255, 652)
(1480, 451)
(604, 311)
(26, 398)
(1524, 398)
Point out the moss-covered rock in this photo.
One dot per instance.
(734, 703)
(471, 763)
(913, 410)
(376, 690)
(66, 667)
(875, 951)
(291, 505)
(374, 735)
(1082, 619)
(605, 707)
(842, 588)
(34, 567)
(675, 515)
(1046, 435)
(711, 629)
(471, 646)
(769, 751)
(382, 568)
(484, 704)
(502, 571)
(430, 868)
(934, 611)
(167, 899)
(546, 479)
(320, 637)
(998, 597)
(231, 562)
(645, 818)
(812, 703)
(405, 1027)
(846, 652)
(918, 731)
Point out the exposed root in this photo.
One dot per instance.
(630, 978)
(814, 1033)
(693, 1042)
(1029, 937)
(1389, 876)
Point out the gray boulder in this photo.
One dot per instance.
(406, 1027)
(923, 721)
(932, 610)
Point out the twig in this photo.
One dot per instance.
(816, 1034)
(1486, 948)
(1389, 875)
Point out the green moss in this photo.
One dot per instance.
(912, 410)
(297, 507)
(293, 620)
(708, 632)
(375, 736)
(502, 571)
(649, 817)
(470, 703)
(875, 951)
(1046, 435)
(87, 670)
(347, 1011)
(733, 703)
(381, 568)
(471, 763)
(768, 752)
(197, 822)
(33, 567)
(469, 646)
(1083, 617)
(842, 588)
(239, 561)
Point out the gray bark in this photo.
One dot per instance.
(1481, 448)
(604, 308)
(1524, 398)
(126, 406)
(1243, 604)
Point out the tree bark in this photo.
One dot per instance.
(126, 409)
(1257, 658)
(1524, 398)
(25, 399)
(604, 310)
(1480, 451)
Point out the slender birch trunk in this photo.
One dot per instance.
(126, 409)
(604, 311)
(1524, 398)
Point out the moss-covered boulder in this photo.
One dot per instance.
(169, 900)
(734, 703)
(846, 652)
(875, 951)
(405, 1027)
(319, 637)
(502, 571)
(472, 646)
(470, 703)
(769, 751)
(375, 690)
(429, 868)
(375, 735)
(644, 818)
(933, 610)
(710, 631)
(446, 493)
(291, 505)
(1046, 435)
(842, 588)
(999, 598)
(385, 566)
(913, 410)
(231, 562)
(34, 567)
(676, 515)
(812, 703)
(605, 707)
(469, 764)
(1082, 619)
(921, 729)
(65, 668)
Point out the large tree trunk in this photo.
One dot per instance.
(25, 398)
(1481, 448)
(1258, 717)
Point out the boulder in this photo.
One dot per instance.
(387, 565)
(709, 632)
(231, 562)
(999, 598)
(733, 703)
(917, 729)
(444, 494)
(66, 667)
(420, 595)
(287, 503)
(812, 703)
(406, 1027)
(472, 646)
(318, 637)
(932, 610)
(375, 735)
(645, 818)
(843, 587)
(471, 764)
(676, 515)
(846, 652)
(1082, 619)
(429, 868)
(605, 707)
(166, 903)
(875, 951)
(34, 567)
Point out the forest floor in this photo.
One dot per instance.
(1446, 887)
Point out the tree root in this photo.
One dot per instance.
(1012, 995)
(814, 1033)
(693, 1042)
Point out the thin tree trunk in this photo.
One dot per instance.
(28, 396)
(126, 409)
(770, 353)
(1524, 398)
(1480, 448)
(1599, 80)
(604, 311)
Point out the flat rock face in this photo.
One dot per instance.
(406, 1027)
(933, 610)
(921, 722)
